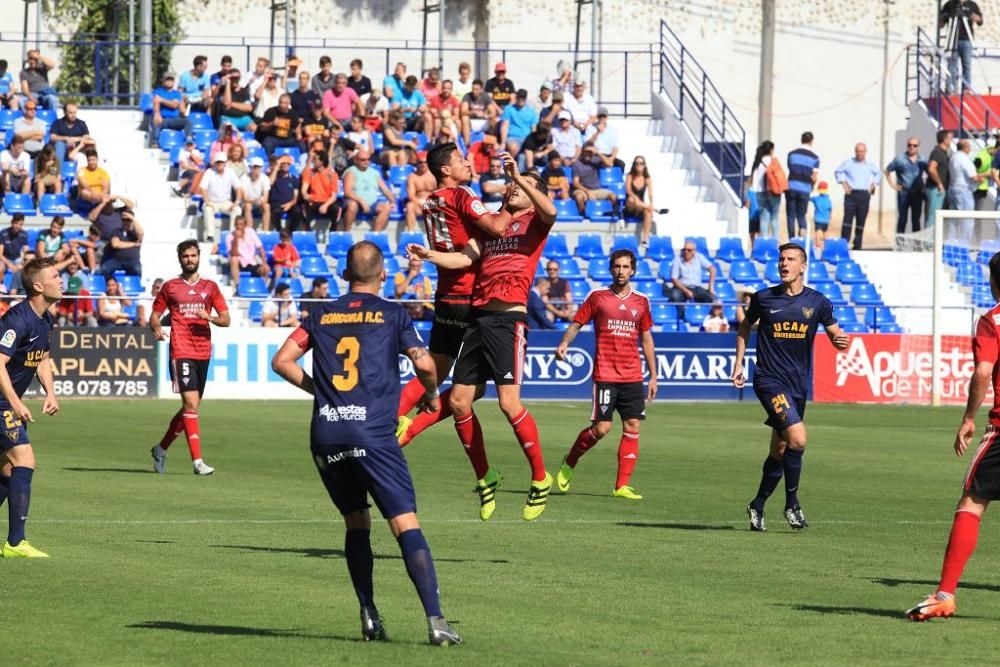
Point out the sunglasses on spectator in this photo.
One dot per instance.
(913, 145)
(30, 108)
(688, 249)
(552, 268)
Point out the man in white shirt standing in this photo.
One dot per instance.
(964, 180)
(217, 189)
(256, 186)
(604, 138)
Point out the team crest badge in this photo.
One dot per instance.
(634, 312)
(204, 295)
(996, 319)
(808, 312)
(516, 226)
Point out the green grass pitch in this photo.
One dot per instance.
(245, 567)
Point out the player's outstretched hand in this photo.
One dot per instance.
(51, 405)
(561, 351)
(509, 164)
(651, 390)
(841, 341)
(738, 380)
(417, 250)
(964, 437)
(429, 404)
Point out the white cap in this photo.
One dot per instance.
(219, 157)
(565, 114)
(256, 162)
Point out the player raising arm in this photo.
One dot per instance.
(789, 314)
(982, 481)
(24, 350)
(190, 300)
(621, 318)
(356, 341)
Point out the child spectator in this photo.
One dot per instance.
(16, 165)
(822, 207)
(48, 173)
(715, 321)
(280, 311)
(285, 258)
(53, 244)
(555, 177)
(91, 247)
(190, 163)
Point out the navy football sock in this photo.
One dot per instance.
(793, 471)
(360, 563)
(420, 567)
(19, 496)
(4, 488)
(770, 476)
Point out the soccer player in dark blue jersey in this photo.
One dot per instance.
(788, 316)
(356, 341)
(24, 351)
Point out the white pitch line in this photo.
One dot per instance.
(627, 523)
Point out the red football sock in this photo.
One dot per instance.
(584, 441)
(471, 435)
(628, 454)
(410, 396)
(175, 429)
(961, 544)
(193, 436)
(425, 420)
(526, 431)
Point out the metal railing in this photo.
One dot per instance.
(700, 105)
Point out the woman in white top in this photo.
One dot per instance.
(110, 311)
(769, 204)
(237, 160)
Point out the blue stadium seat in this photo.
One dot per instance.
(69, 172)
(312, 267)
(619, 190)
(853, 327)
(597, 270)
(269, 240)
(7, 118)
(832, 292)
(252, 286)
(430, 270)
(771, 272)
(611, 175)
(399, 174)
(419, 138)
(478, 189)
(836, 251)
(662, 313)
(47, 116)
(645, 286)
(971, 274)
(407, 238)
(845, 314)
(256, 311)
(566, 211)
(644, 270)
(743, 271)
(660, 248)
(55, 205)
(378, 142)
(580, 289)
(730, 249)
(818, 273)
(626, 242)
(982, 297)
(170, 138)
(849, 272)
(765, 249)
(18, 203)
(175, 156)
(890, 328)
(258, 151)
(224, 244)
(865, 294)
(674, 327)
(392, 265)
(556, 247)
(700, 244)
(381, 239)
(131, 285)
(200, 121)
(97, 283)
(568, 268)
(724, 291)
(878, 316)
(305, 243)
(296, 286)
(589, 246)
(599, 211)
(288, 150)
(987, 248)
(695, 313)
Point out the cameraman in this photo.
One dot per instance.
(965, 14)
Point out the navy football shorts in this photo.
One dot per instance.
(352, 473)
(13, 431)
(783, 408)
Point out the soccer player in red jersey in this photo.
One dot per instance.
(453, 214)
(982, 481)
(621, 318)
(190, 300)
(495, 344)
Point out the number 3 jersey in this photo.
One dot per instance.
(25, 339)
(356, 341)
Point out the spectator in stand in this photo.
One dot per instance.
(341, 102)
(190, 163)
(8, 91)
(290, 73)
(31, 128)
(320, 290)
(362, 185)
(196, 85)
(462, 86)
(551, 113)
(35, 85)
(516, 123)
(106, 216)
(236, 106)
(303, 97)
(715, 321)
(478, 111)
(267, 96)
(228, 137)
(376, 110)
(144, 305)
(566, 139)
(414, 105)
(69, 134)
(215, 98)
(169, 109)
(582, 106)
(358, 82)
(769, 204)
(256, 188)
(14, 242)
(76, 311)
(563, 80)
(392, 85)
(122, 252)
(859, 178)
(938, 175)
(320, 186)
(220, 192)
(443, 101)
(414, 284)
(93, 183)
(494, 185)
(53, 244)
(280, 311)
(963, 180)
(555, 177)
(560, 294)
(481, 153)
(537, 314)
(604, 138)
(236, 160)
(283, 196)
(587, 181)
(544, 99)
(984, 164)
(112, 304)
(16, 165)
(89, 247)
(360, 137)
(316, 126)
(48, 173)
(905, 175)
(253, 81)
(419, 185)
(246, 252)
(639, 197)
(537, 146)
(285, 258)
(965, 14)
(803, 171)
(279, 127)
(822, 212)
(396, 150)
(431, 85)
(500, 88)
(448, 131)
(324, 79)
(685, 278)
(746, 294)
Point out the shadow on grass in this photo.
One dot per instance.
(138, 471)
(234, 630)
(892, 583)
(865, 611)
(674, 526)
(313, 552)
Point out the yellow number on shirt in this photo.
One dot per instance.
(780, 403)
(351, 349)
